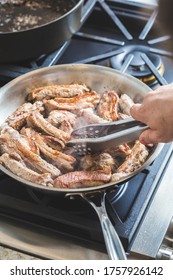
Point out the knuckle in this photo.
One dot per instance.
(142, 110)
(149, 95)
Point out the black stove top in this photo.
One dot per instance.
(115, 34)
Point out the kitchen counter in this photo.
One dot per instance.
(8, 254)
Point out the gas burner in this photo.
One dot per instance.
(132, 60)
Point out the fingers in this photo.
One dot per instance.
(134, 109)
(136, 112)
(142, 112)
(149, 137)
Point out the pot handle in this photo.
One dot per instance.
(113, 244)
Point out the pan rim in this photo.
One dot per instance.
(72, 65)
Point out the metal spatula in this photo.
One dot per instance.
(98, 137)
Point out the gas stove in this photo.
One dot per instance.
(123, 35)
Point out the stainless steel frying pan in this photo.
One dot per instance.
(100, 79)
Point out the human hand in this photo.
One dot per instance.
(157, 112)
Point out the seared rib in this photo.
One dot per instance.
(90, 116)
(19, 144)
(28, 136)
(54, 142)
(108, 106)
(134, 161)
(6, 146)
(62, 161)
(73, 104)
(9, 136)
(18, 167)
(125, 103)
(18, 118)
(80, 179)
(9, 132)
(37, 121)
(119, 151)
(35, 161)
(98, 162)
(48, 92)
(57, 117)
(66, 127)
(89, 97)
(63, 120)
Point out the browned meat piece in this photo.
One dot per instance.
(9, 132)
(35, 161)
(80, 179)
(73, 104)
(134, 161)
(28, 136)
(38, 105)
(37, 121)
(51, 105)
(2, 146)
(56, 117)
(54, 143)
(7, 139)
(125, 103)
(62, 161)
(121, 150)
(87, 162)
(108, 106)
(18, 118)
(66, 127)
(9, 136)
(5, 147)
(48, 92)
(98, 162)
(63, 120)
(90, 116)
(122, 116)
(18, 167)
(16, 142)
(89, 97)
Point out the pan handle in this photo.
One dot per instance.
(113, 244)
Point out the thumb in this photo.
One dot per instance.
(149, 136)
(135, 111)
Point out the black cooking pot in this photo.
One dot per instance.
(31, 43)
